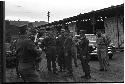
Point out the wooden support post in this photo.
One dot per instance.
(93, 21)
(93, 28)
(78, 26)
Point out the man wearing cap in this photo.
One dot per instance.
(27, 54)
(84, 56)
(50, 49)
(60, 50)
(101, 51)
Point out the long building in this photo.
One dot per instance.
(109, 20)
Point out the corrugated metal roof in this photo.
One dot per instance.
(110, 11)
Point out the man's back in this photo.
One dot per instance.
(26, 49)
(68, 43)
(60, 41)
(49, 42)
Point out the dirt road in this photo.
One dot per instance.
(114, 74)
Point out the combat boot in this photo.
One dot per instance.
(55, 72)
(86, 77)
(69, 74)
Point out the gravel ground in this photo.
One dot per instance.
(114, 74)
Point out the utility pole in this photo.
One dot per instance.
(48, 14)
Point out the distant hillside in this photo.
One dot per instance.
(20, 23)
(10, 31)
(12, 27)
(36, 23)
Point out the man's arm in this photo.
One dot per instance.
(33, 48)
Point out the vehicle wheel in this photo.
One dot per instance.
(110, 56)
(122, 50)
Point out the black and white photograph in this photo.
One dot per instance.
(63, 41)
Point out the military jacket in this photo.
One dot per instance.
(101, 42)
(60, 41)
(68, 43)
(26, 50)
(49, 42)
(84, 46)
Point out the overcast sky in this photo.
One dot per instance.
(36, 10)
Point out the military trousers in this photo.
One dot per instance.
(85, 65)
(51, 58)
(28, 72)
(68, 62)
(60, 59)
(102, 58)
(107, 56)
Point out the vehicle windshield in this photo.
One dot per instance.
(92, 39)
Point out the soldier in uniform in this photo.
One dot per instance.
(50, 49)
(74, 48)
(60, 50)
(68, 45)
(27, 54)
(102, 51)
(107, 44)
(84, 56)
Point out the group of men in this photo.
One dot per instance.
(59, 52)
(63, 50)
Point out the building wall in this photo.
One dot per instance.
(111, 30)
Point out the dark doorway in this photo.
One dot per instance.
(99, 26)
